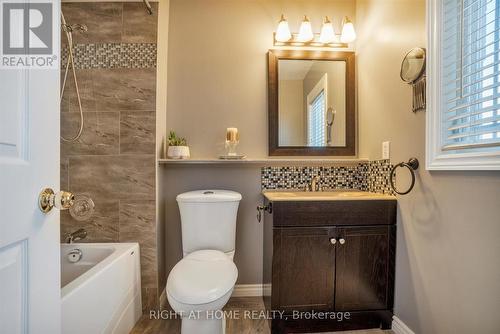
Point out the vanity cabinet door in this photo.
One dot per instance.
(303, 269)
(365, 268)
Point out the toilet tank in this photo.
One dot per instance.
(208, 219)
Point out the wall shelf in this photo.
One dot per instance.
(261, 161)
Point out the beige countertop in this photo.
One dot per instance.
(336, 195)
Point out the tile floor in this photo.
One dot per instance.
(240, 326)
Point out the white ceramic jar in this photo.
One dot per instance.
(178, 152)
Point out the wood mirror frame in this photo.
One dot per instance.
(273, 95)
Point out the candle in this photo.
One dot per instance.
(232, 135)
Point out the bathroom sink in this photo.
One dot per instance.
(340, 195)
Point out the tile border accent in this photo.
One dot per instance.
(111, 55)
(367, 176)
(297, 177)
(375, 175)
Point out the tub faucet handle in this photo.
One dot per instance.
(76, 236)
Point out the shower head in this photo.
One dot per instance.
(69, 28)
(80, 27)
(148, 7)
(75, 27)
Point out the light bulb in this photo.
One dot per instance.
(348, 33)
(327, 33)
(305, 32)
(283, 32)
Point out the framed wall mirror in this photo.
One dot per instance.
(311, 103)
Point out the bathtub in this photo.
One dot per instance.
(101, 293)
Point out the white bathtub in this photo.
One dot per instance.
(101, 293)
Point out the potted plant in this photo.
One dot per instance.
(177, 147)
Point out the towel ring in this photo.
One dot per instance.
(412, 166)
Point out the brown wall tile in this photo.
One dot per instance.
(114, 160)
(138, 25)
(102, 227)
(125, 89)
(100, 133)
(103, 19)
(150, 300)
(64, 174)
(149, 265)
(69, 101)
(120, 177)
(137, 222)
(137, 132)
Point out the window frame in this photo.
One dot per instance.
(436, 157)
(320, 86)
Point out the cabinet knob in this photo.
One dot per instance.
(333, 241)
(342, 241)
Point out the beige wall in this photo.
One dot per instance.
(246, 181)
(449, 230)
(336, 74)
(218, 66)
(291, 113)
(161, 130)
(447, 274)
(217, 77)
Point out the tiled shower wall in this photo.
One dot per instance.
(367, 176)
(114, 159)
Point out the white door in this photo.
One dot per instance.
(29, 162)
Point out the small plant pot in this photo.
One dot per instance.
(178, 152)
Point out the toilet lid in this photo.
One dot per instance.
(209, 196)
(202, 277)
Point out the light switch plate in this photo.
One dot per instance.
(386, 150)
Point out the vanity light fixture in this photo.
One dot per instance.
(307, 38)
(327, 33)
(283, 32)
(348, 33)
(305, 32)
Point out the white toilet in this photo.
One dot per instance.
(201, 283)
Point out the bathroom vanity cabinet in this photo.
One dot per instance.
(334, 255)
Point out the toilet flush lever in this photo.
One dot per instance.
(261, 208)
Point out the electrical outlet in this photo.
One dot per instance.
(386, 150)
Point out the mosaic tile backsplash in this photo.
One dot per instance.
(367, 176)
(375, 176)
(111, 55)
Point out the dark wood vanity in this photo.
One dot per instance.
(334, 255)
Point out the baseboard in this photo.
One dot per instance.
(251, 290)
(399, 327)
(266, 290)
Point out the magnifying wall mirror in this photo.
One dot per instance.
(330, 117)
(413, 73)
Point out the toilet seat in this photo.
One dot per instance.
(202, 277)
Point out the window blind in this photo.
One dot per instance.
(470, 77)
(316, 121)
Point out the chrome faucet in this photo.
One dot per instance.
(76, 236)
(314, 184)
